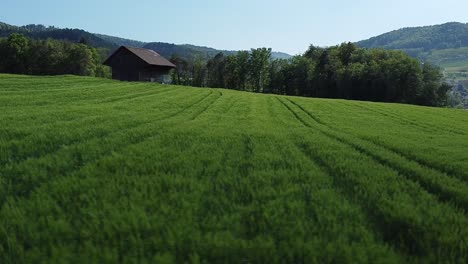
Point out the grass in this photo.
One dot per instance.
(453, 61)
(448, 57)
(461, 69)
(93, 170)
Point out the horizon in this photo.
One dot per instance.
(292, 34)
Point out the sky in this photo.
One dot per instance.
(288, 25)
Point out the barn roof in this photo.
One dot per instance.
(149, 56)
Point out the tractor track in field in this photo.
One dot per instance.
(144, 136)
(392, 231)
(45, 124)
(316, 119)
(387, 148)
(447, 194)
(407, 121)
(197, 114)
(89, 102)
(205, 97)
(133, 96)
(127, 128)
(451, 194)
(338, 183)
(100, 87)
(421, 162)
(78, 121)
(230, 102)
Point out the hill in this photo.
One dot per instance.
(107, 171)
(188, 52)
(418, 41)
(445, 45)
(67, 34)
(191, 52)
(121, 41)
(185, 51)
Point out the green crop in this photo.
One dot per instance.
(95, 171)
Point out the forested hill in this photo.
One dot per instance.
(445, 36)
(68, 34)
(190, 52)
(110, 43)
(420, 42)
(121, 41)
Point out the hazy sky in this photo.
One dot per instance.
(287, 25)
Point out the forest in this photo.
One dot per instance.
(22, 55)
(345, 71)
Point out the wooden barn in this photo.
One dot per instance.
(138, 64)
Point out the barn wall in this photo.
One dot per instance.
(126, 66)
(155, 74)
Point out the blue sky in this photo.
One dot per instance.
(288, 25)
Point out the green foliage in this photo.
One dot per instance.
(215, 71)
(444, 45)
(40, 32)
(98, 171)
(14, 51)
(258, 73)
(49, 57)
(343, 71)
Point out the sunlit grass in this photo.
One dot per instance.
(93, 170)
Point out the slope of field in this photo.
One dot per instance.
(93, 170)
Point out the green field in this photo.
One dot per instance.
(96, 171)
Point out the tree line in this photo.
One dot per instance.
(22, 55)
(344, 71)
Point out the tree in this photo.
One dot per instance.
(84, 41)
(345, 52)
(215, 71)
(180, 75)
(82, 60)
(15, 53)
(49, 57)
(198, 72)
(242, 69)
(277, 82)
(258, 68)
(433, 91)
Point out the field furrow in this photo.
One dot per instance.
(74, 137)
(384, 190)
(446, 188)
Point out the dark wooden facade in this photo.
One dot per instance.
(137, 64)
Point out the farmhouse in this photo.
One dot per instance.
(138, 64)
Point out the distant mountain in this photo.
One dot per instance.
(67, 34)
(185, 51)
(121, 41)
(440, 44)
(191, 52)
(110, 43)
